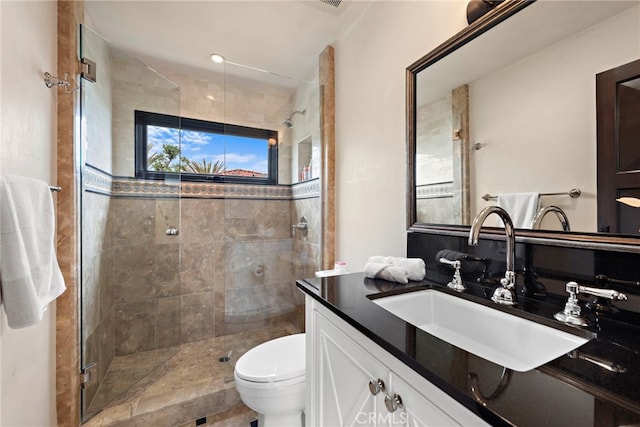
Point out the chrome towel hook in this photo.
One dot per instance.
(51, 81)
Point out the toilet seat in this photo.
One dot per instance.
(281, 359)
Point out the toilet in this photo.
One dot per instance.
(270, 379)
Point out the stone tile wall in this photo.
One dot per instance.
(98, 267)
(232, 268)
(135, 87)
(434, 161)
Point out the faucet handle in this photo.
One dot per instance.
(571, 313)
(455, 283)
(611, 294)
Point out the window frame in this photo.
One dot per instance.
(143, 119)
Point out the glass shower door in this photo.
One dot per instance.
(261, 254)
(130, 247)
(179, 279)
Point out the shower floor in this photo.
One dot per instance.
(180, 384)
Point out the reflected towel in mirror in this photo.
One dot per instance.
(521, 207)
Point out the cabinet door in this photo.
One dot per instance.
(417, 410)
(343, 371)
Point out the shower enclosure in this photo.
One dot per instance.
(179, 277)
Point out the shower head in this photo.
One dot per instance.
(288, 123)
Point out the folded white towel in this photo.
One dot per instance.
(521, 207)
(30, 277)
(374, 270)
(415, 267)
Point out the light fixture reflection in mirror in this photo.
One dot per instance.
(217, 58)
(629, 201)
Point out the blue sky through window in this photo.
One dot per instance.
(235, 152)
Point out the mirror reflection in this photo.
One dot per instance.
(531, 126)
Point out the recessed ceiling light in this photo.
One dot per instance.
(211, 97)
(217, 58)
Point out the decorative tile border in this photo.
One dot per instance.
(99, 181)
(306, 189)
(235, 191)
(96, 180)
(434, 191)
(130, 187)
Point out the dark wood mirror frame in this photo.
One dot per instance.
(573, 239)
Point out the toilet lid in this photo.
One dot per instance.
(276, 360)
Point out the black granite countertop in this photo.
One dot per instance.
(598, 385)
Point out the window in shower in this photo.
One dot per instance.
(199, 150)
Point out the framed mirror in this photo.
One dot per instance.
(530, 122)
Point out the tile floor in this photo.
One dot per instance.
(179, 385)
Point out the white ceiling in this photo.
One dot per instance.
(511, 41)
(283, 37)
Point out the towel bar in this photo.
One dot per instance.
(55, 188)
(573, 193)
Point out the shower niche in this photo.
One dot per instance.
(305, 166)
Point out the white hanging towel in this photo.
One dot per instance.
(521, 207)
(30, 277)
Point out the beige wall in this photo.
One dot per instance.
(28, 138)
(370, 121)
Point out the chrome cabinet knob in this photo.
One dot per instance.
(376, 386)
(393, 402)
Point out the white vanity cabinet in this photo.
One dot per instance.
(345, 373)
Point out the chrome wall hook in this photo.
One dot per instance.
(51, 81)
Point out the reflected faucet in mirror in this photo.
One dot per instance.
(609, 365)
(543, 211)
(474, 383)
(505, 293)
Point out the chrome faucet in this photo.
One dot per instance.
(505, 293)
(302, 225)
(562, 217)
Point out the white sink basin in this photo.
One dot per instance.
(501, 338)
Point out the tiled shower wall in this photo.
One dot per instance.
(434, 167)
(228, 270)
(98, 263)
(307, 250)
(232, 268)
